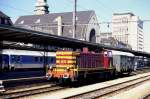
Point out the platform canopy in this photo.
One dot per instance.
(15, 34)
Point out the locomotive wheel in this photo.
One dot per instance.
(107, 75)
(129, 72)
(12, 68)
(75, 83)
(113, 74)
(60, 80)
(67, 82)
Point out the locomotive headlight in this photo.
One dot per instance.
(47, 75)
(51, 68)
(68, 68)
(65, 69)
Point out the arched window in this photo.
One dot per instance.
(92, 37)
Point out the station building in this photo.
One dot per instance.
(4, 19)
(61, 23)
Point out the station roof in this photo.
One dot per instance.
(49, 22)
(11, 33)
(30, 48)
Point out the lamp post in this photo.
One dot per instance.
(74, 18)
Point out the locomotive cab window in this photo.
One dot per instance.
(105, 54)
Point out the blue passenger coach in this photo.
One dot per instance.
(22, 59)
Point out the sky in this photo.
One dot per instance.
(104, 10)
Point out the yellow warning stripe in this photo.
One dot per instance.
(66, 57)
(65, 61)
(67, 53)
(63, 70)
(67, 65)
(71, 62)
(63, 52)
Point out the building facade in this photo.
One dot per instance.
(107, 39)
(128, 28)
(105, 35)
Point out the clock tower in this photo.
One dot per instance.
(41, 7)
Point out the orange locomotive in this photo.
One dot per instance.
(73, 66)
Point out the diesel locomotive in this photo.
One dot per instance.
(76, 65)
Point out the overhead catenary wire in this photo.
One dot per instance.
(18, 9)
(79, 6)
(78, 24)
(106, 22)
(105, 6)
(109, 22)
(81, 24)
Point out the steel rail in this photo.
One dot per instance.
(30, 91)
(111, 89)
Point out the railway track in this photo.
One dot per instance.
(15, 88)
(13, 83)
(18, 93)
(111, 90)
(142, 70)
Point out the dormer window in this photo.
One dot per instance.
(76, 18)
(94, 18)
(38, 21)
(70, 31)
(2, 20)
(6, 21)
(22, 22)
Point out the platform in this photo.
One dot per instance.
(136, 93)
(75, 91)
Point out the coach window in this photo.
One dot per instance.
(52, 60)
(36, 59)
(41, 59)
(18, 59)
(13, 59)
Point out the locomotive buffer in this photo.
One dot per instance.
(1, 87)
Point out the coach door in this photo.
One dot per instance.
(5, 62)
